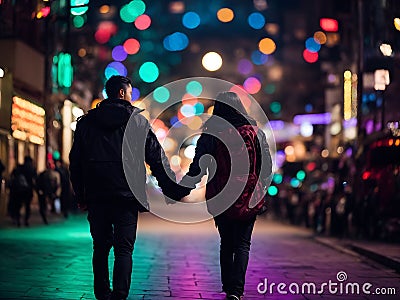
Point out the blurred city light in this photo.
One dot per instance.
(143, 22)
(1, 73)
(115, 68)
(135, 94)
(194, 88)
(225, 15)
(132, 10)
(275, 107)
(256, 20)
(131, 46)
(119, 53)
(191, 20)
(245, 66)
(330, 25)
(310, 57)
(252, 85)
(396, 22)
(212, 61)
(259, 58)
(161, 94)
(272, 190)
(323, 119)
(177, 41)
(312, 45)
(148, 72)
(267, 46)
(190, 151)
(386, 49)
(320, 37)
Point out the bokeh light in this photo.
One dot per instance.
(143, 22)
(187, 110)
(256, 20)
(301, 175)
(225, 15)
(177, 41)
(81, 7)
(198, 108)
(310, 57)
(79, 21)
(277, 178)
(129, 12)
(161, 94)
(135, 94)
(320, 37)
(149, 72)
(258, 58)
(104, 9)
(272, 190)
(270, 88)
(252, 85)
(189, 99)
(115, 68)
(267, 46)
(131, 46)
(191, 20)
(119, 53)
(275, 107)
(194, 88)
(245, 66)
(396, 22)
(312, 45)
(212, 61)
(195, 123)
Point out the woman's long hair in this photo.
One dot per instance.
(229, 107)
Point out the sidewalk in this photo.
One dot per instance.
(386, 254)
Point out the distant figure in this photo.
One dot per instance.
(65, 195)
(48, 189)
(21, 190)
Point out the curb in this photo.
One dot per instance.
(359, 252)
(379, 258)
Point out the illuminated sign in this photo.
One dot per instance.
(27, 121)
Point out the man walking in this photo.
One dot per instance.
(100, 185)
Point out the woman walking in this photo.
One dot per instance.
(229, 135)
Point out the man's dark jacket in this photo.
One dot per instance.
(99, 149)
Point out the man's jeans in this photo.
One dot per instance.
(234, 252)
(113, 224)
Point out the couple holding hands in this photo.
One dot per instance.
(103, 185)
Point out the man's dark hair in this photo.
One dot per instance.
(115, 83)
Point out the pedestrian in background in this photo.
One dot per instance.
(65, 194)
(21, 185)
(99, 182)
(230, 119)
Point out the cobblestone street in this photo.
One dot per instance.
(177, 261)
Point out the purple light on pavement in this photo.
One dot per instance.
(245, 66)
(119, 53)
(323, 119)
